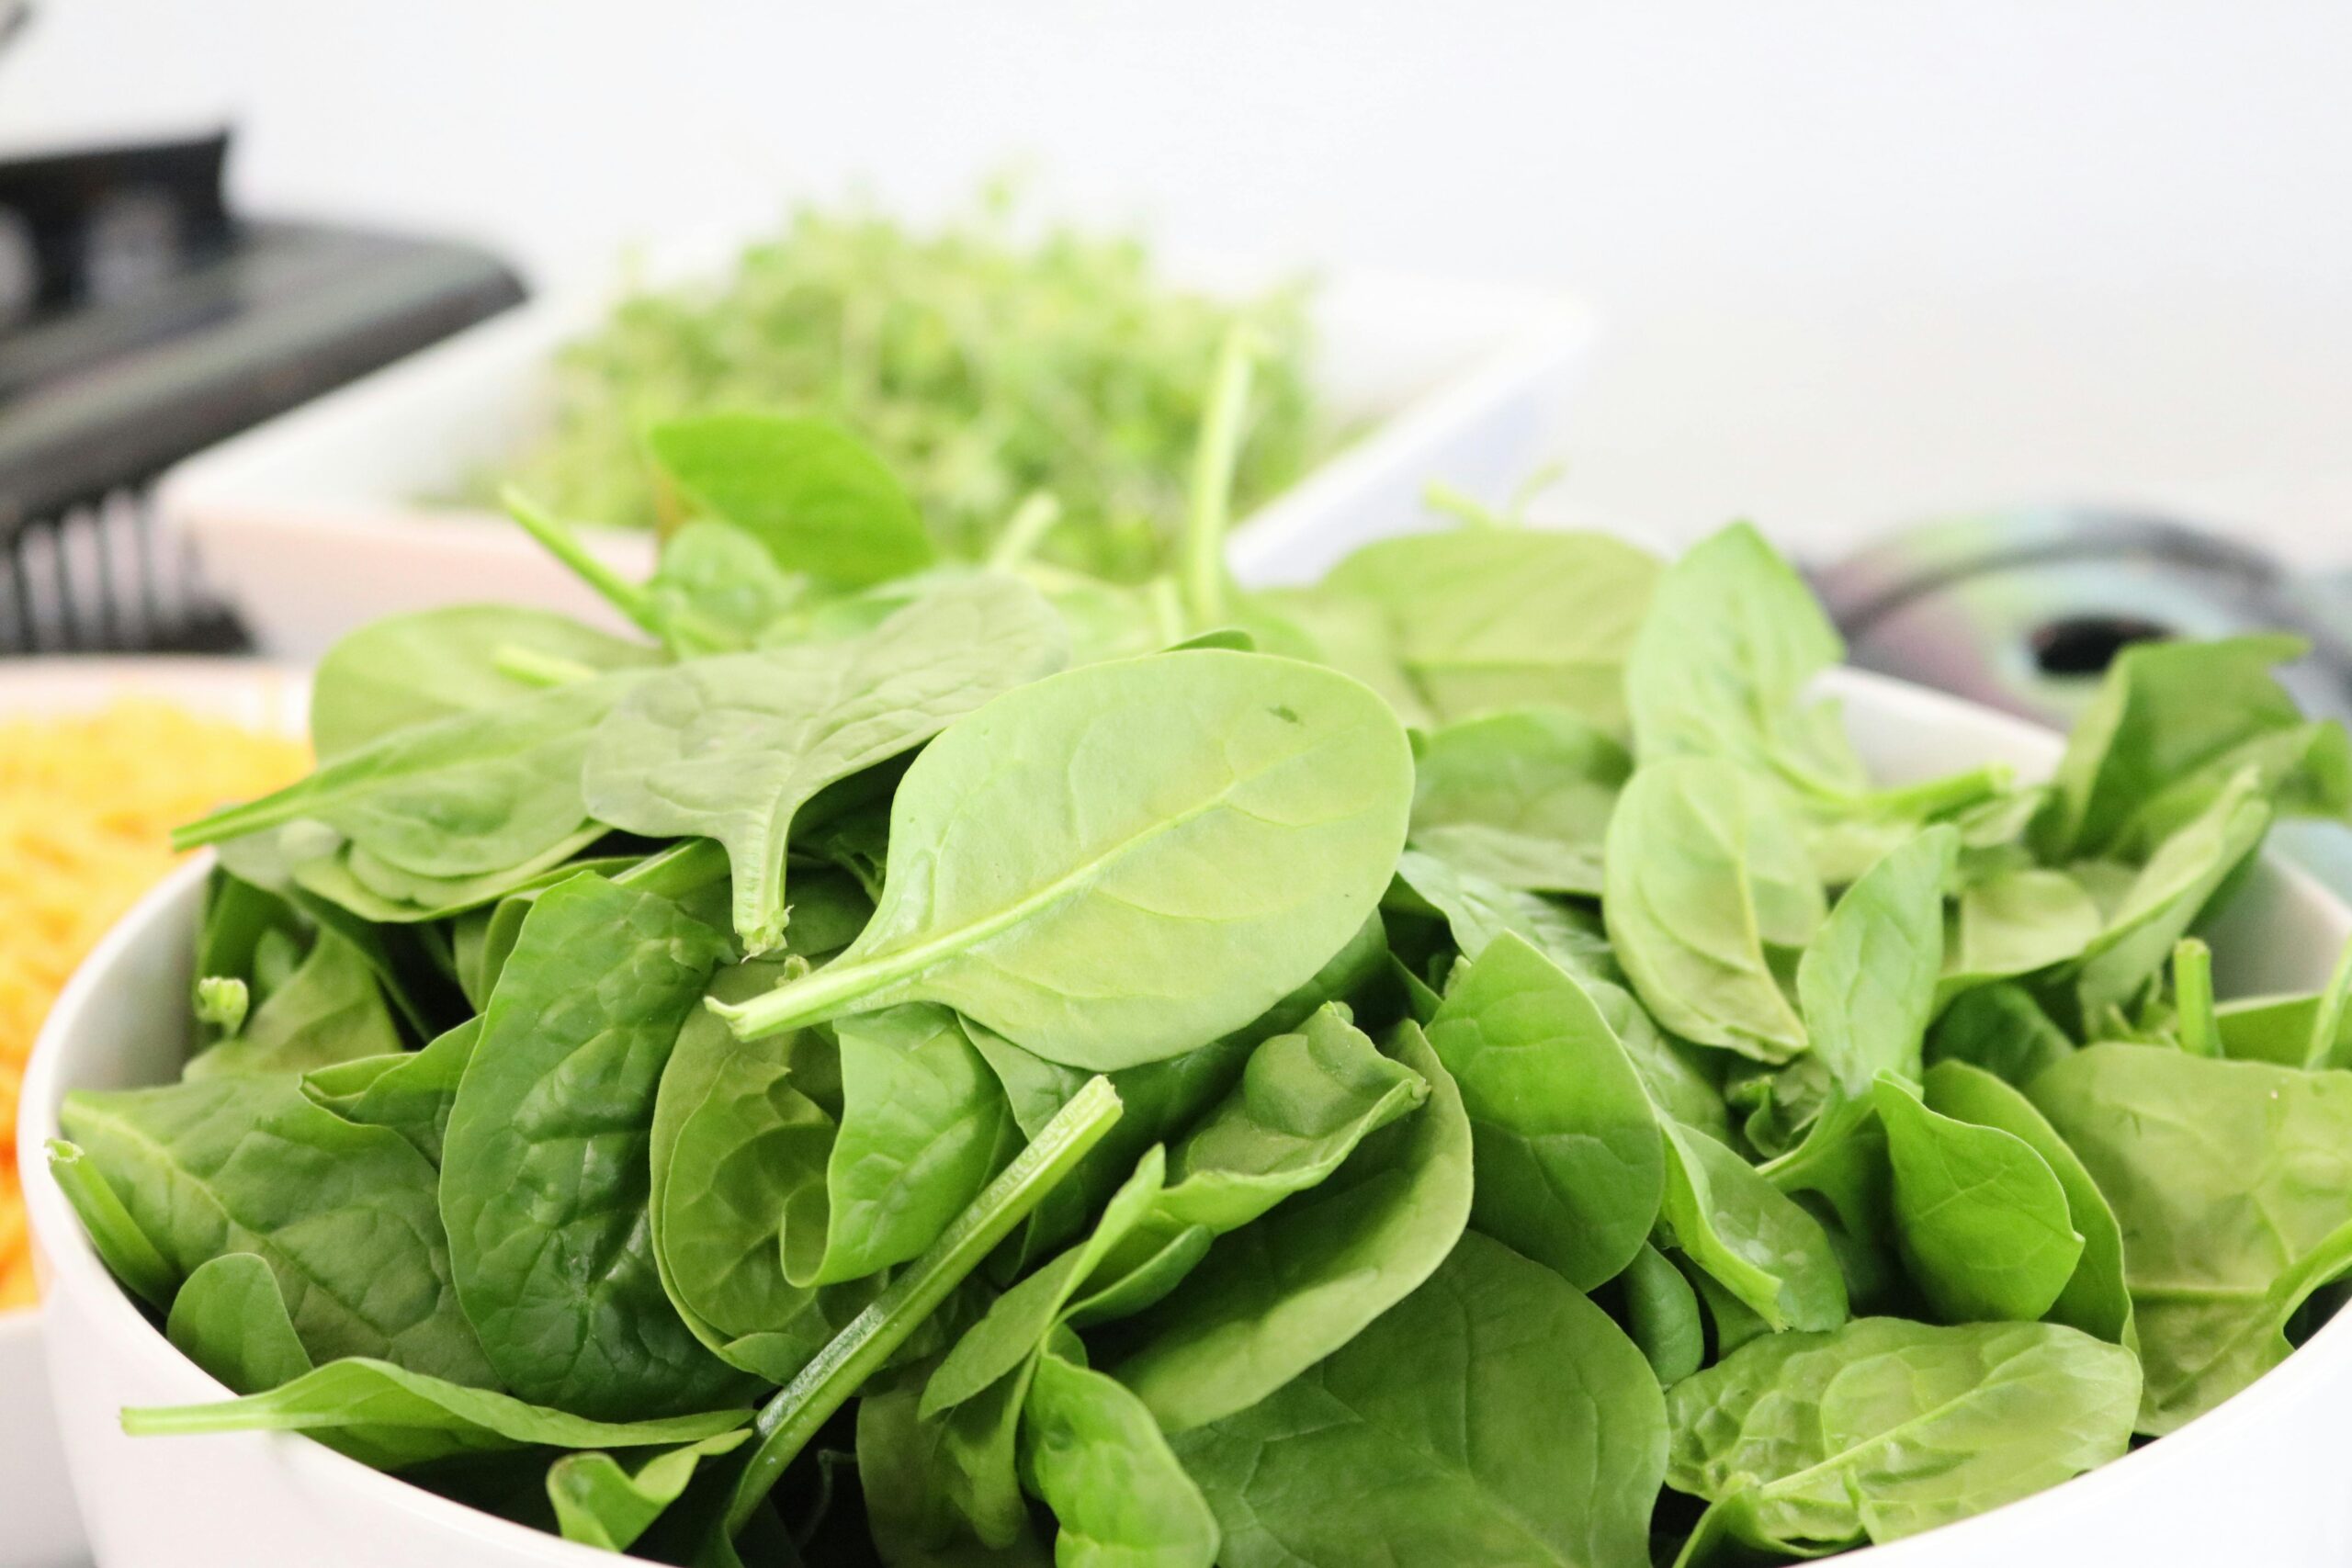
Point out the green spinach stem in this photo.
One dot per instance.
(533, 667)
(1213, 462)
(560, 542)
(2327, 1026)
(2192, 992)
(1025, 531)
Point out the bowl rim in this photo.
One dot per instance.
(63, 1249)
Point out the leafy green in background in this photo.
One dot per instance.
(982, 361)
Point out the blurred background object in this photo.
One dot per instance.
(1861, 264)
(140, 321)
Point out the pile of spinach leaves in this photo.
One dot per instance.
(935, 1063)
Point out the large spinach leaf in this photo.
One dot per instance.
(1494, 1415)
(1127, 861)
(544, 1159)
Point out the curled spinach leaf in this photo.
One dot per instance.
(731, 747)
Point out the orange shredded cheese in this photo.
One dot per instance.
(87, 803)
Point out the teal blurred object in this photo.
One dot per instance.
(2023, 609)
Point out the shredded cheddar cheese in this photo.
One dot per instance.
(87, 803)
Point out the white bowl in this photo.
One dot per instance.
(2257, 1481)
(41, 1528)
(312, 523)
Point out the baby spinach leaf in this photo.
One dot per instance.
(1568, 1162)
(2173, 723)
(2001, 1028)
(411, 1093)
(485, 938)
(1077, 866)
(544, 1163)
(1522, 797)
(2096, 1300)
(411, 670)
(330, 1011)
(1349, 634)
(1494, 1415)
(325, 870)
(737, 1153)
(924, 1125)
(1808, 1443)
(731, 747)
(390, 1418)
(1477, 909)
(476, 793)
(1721, 664)
(1680, 1082)
(1867, 984)
(230, 1319)
(902, 1480)
(1096, 1458)
(2168, 894)
(1306, 1102)
(1755, 1242)
(982, 1387)
(343, 1214)
(1162, 1098)
(1983, 1222)
(1842, 1159)
(1273, 1297)
(600, 1502)
(2173, 1139)
(796, 1411)
(1662, 1316)
(819, 501)
(716, 590)
(1706, 875)
(1506, 619)
(2015, 923)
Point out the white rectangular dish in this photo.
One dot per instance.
(311, 523)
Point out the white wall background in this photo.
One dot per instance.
(1860, 260)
